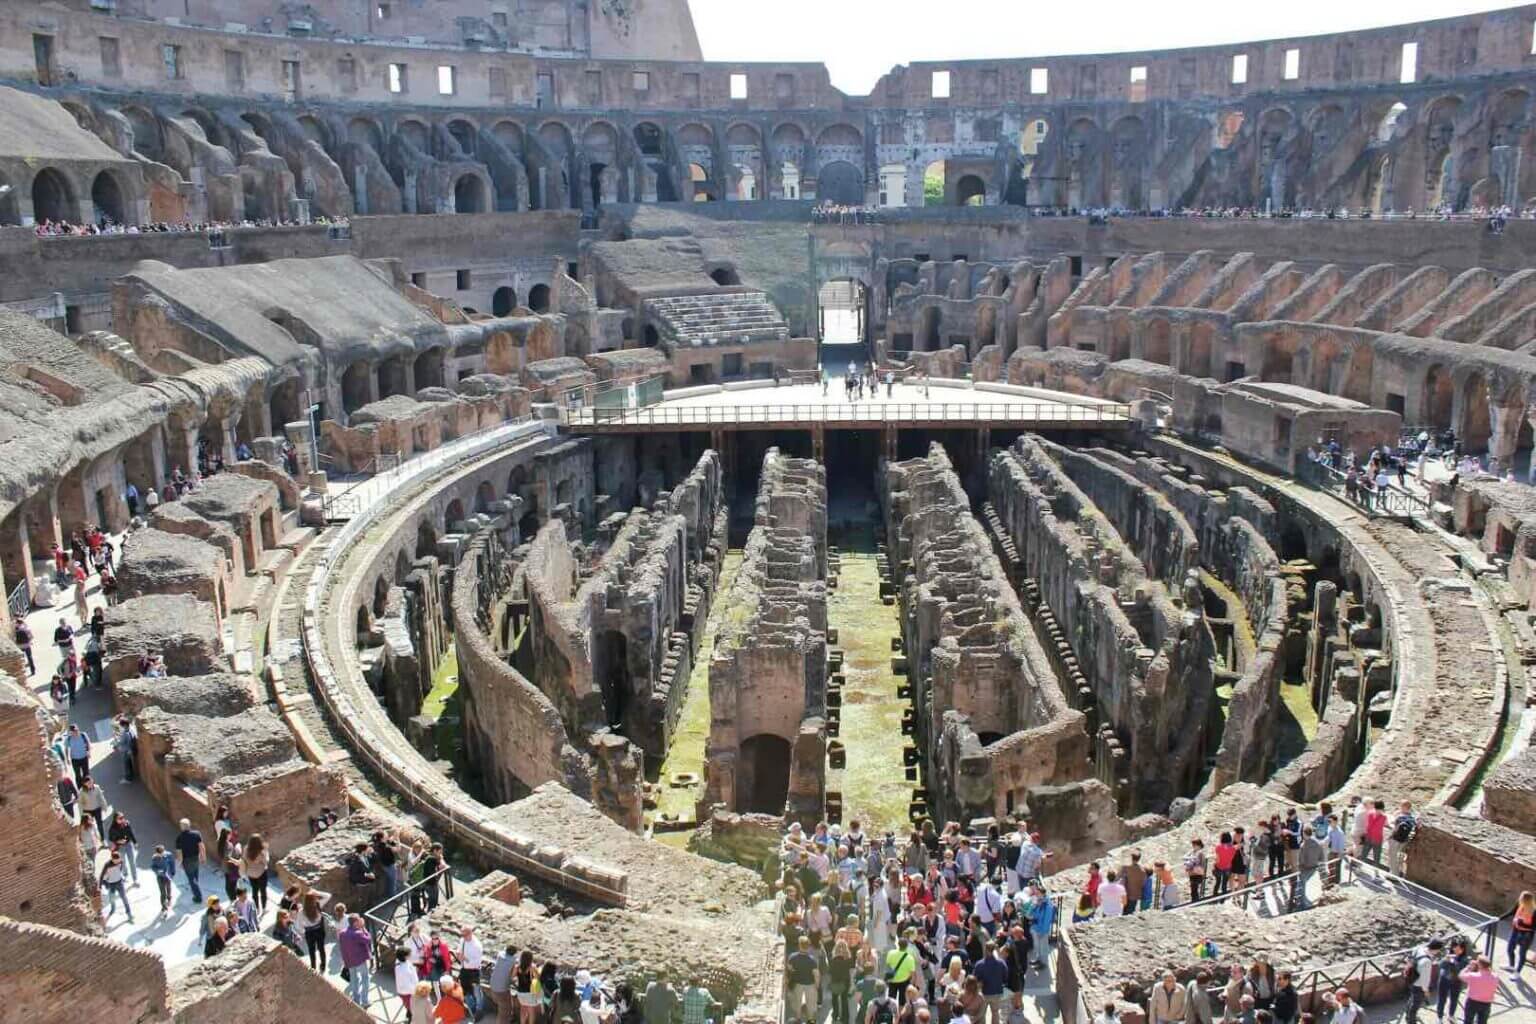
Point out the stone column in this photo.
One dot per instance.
(16, 556)
(1504, 425)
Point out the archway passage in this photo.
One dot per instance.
(1439, 397)
(107, 199)
(538, 298)
(469, 195)
(763, 781)
(613, 651)
(355, 386)
(840, 182)
(503, 301)
(725, 276)
(51, 197)
(843, 312)
(971, 191)
(1476, 422)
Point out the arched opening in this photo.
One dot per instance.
(453, 515)
(746, 183)
(929, 322)
(428, 370)
(1200, 346)
(971, 191)
(484, 495)
(503, 300)
(1228, 126)
(614, 676)
(700, 178)
(648, 138)
(1293, 542)
(1476, 425)
(843, 311)
(469, 194)
(763, 780)
(107, 200)
(402, 567)
(380, 596)
(840, 182)
(652, 336)
(725, 276)
(426, 540)
(283, 405)
(392, 379)
(538, 298)
(790, 176)
(933, 184)
(1439, 398)
(52, 198)
(595, 183)
(1387, 126)
(356, 386)
(9, 214)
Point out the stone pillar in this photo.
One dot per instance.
(1504, 425)
(360, 190)
(16, 555)
(1530, 418)
(408, 193)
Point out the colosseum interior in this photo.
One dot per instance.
(509, 430)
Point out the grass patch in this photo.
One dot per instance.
(445, 704)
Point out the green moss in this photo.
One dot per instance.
(686, 754)
(444, 703)
(875, 789)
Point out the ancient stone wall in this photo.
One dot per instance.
(39, 849)
(768, 674)
(46, 969)
(1509, 793)
(1477, 862)
(257, 979)
(1148, 664)
(993, 719)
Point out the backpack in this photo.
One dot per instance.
(1402, 831)
(884, 1013)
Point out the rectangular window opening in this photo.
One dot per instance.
(1410, 69)
(738, 87)
(1239, 68)
(462, 280)
(382, 11)
(293, 82)
(447, 84)
(397, 79)
(940, 85)
(171, 55)
(1139, 84)
(1533, 37)
(641, 80)
(1292, 65)
(1039, 81)
(111, 58)
(346, 74)
(419, 279)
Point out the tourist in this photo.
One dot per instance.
(991, 974)
(23, 638)
(78, 746)
(312, 921)
(1481, 985)
(163, 864)
(68, 793)
(217, 939)
(90, 841)
(1112, 895)
(1404, 827)
(804, 980)
(213, 911)
(1286, 1007)
(1167, 1005)
(566, 1003)
(452, 1005)
(1222, 862)
(356, 948)
(125, 742)
(406, 980)
(900, 965)
(190, 852)
(1374, 832)
(529, 988)
(283, 931)
(247, 919)
(1194, 868)
(471, 960)
(501, 984)
(120, 835)
(1522, 928)
(1308, 859)
(438, 959)
(419, 1003)
(255, 866)
(93, 803)
(1448, 978)
(1421, 977)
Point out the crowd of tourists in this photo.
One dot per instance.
(213, 228)
(839, 213)
(949, 927)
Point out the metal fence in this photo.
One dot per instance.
(1392, 501)
(872, 412)
(389, 919)
(610, 394)
(19, 600)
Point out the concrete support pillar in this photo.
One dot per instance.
(1504, 422)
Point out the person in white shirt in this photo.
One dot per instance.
(1111, 895)
(471, 959)
(989, 906)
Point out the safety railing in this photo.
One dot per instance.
(1390, 501)
(466, 820)
(385, 921)
(872, 411)
(19, 600)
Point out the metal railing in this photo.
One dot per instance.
(874, 411)
(1389, 501)
(384, 918)
(19, 600)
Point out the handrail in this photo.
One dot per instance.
(1391, 501)
(871, 411)
(381, 916)
(19, 600)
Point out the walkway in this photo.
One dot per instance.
(909, 404)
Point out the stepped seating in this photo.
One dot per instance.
(731, 318)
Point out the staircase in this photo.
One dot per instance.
(732, 318)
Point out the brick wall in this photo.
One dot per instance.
(50, 974)
(1472, 860)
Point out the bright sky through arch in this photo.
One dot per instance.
(860, 40)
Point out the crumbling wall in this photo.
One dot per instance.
(1147, 663)
(50, 973)
(254, 980)
(992, 718)
(768, 674)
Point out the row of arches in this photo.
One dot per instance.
(55, 193)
